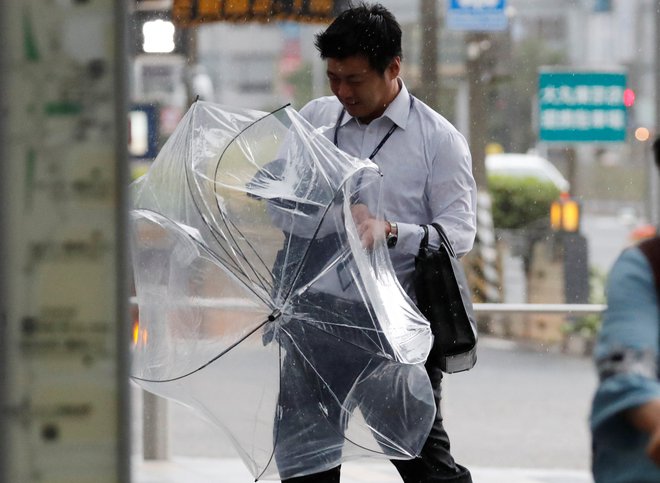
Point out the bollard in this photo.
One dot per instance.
(155, 427)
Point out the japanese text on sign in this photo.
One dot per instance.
(582, 106)
(190, 12)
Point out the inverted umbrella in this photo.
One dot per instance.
(260, 307)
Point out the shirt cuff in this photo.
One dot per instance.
(409, 238)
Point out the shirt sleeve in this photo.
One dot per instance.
(452, 193)
(627, 347)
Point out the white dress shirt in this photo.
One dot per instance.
(427, 172)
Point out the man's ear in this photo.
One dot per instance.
(395, 67)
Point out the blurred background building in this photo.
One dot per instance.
(265, 65)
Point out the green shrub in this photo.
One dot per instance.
(520, 201)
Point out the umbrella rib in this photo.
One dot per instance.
(209, 225)
(216, 236)
(232, 346)
(318, 227)
(277, 428)
(341, 404)
(346, 341)
(215, 256)
(306, 255)
(214, 232)
(262, 280)
(215, 176)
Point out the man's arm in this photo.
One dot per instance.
(626, 353)
(452, 193)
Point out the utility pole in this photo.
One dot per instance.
(478, 44)
(429, 91)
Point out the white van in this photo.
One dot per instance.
(526, 165)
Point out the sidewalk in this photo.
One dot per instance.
(209, 470)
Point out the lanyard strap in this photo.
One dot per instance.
(382, 141)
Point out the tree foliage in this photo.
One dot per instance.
(519, 201)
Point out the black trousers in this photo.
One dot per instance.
(435, 463)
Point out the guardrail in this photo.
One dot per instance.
(540, 308)
(485, 308)
(155, 436)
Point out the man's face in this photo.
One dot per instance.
(363, 91)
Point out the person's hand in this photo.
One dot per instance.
(360, 213)
(653, 447)
(369, 228)
(646, 418)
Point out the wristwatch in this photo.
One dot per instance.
(393, 235)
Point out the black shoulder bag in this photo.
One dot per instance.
(443, 297)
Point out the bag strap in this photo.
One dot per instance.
(444, 239)
(425, 240)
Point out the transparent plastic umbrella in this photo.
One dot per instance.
(260, 308)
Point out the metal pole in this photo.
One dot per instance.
(429, 91)
(155, 429)
(122, 179)
(4, 109)
(477, 45)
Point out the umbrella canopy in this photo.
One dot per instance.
(259, 306)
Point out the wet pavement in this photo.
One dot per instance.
(228, 470)
(520, 416)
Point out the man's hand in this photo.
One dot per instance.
(360, 213)
(647, 418)
(369, 228)
(653, 448)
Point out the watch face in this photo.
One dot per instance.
(391, 240)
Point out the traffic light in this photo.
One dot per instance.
(565, 215)
(628, 97)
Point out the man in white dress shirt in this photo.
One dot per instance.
(427, 176)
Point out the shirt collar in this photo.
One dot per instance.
(399, 108)
(397, 111)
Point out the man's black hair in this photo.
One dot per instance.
(364, 29)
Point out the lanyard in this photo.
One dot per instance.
(382, 141)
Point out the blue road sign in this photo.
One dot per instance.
(476, 15)
(582, 106)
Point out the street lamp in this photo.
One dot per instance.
(158, 37)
